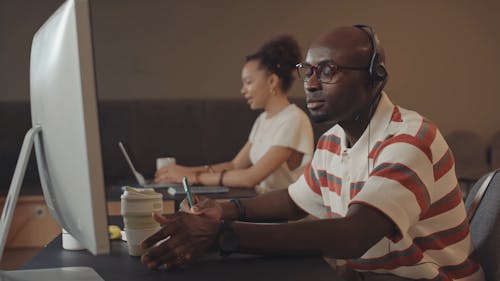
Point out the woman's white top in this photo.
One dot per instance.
(288, 128)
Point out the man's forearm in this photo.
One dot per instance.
(347, 237)
(272, 206)
(320, 237)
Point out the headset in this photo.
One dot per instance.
(378, 74)
(376, 70)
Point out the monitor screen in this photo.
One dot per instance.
(64, 104)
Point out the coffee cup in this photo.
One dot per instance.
(164, 161)
(135, 237)
(69, 242)
(137, 207)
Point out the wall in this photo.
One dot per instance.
(442, 55)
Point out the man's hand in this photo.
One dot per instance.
(203, 206)
(189, 236)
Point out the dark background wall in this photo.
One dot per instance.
(442, 55)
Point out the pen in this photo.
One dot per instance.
(187, 188)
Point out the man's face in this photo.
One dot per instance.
(344, 97)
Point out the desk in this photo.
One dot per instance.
(113, 194)
(120, 266)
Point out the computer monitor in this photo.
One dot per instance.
(66, 128)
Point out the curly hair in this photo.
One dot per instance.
(279, 56)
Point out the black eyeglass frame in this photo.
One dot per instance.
(316, 69)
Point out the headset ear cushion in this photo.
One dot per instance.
(379, 72)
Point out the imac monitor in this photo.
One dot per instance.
(64, 105)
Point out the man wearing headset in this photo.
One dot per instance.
(382, 184)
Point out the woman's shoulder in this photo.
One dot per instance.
(293, 110)
(260, 117)
(292, 116)
(297, 113)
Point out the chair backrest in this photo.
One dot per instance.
(470, 151)
(470, 154)
(495, 151)
(485, 225)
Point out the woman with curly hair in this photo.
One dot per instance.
(280, 144)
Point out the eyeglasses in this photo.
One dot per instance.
(325, 71)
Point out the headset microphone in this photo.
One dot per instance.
(376, 70)
(373, 100)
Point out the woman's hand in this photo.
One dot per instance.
(173, 174)
(186, 236)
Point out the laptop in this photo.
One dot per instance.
(173, 188)
(138, 176)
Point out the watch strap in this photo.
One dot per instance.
(227, 239)
(240, 207)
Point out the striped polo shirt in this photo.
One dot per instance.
(402, 167)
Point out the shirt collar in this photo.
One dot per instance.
(376, 129)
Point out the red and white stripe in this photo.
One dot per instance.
(408, 174)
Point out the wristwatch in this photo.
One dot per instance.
(227, 240)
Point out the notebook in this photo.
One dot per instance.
(179, 190)
(173, 188)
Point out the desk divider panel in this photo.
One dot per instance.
(168, 128)
(227, 127)
(194, 131)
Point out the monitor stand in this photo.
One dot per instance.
(15, 185)
(63, 273)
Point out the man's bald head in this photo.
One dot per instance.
(350, 46)
(337, 81)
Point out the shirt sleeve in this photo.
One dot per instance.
(398, 185)
(306, 193)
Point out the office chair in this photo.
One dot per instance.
(469, 151)
(495, 151)
(483, 209)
